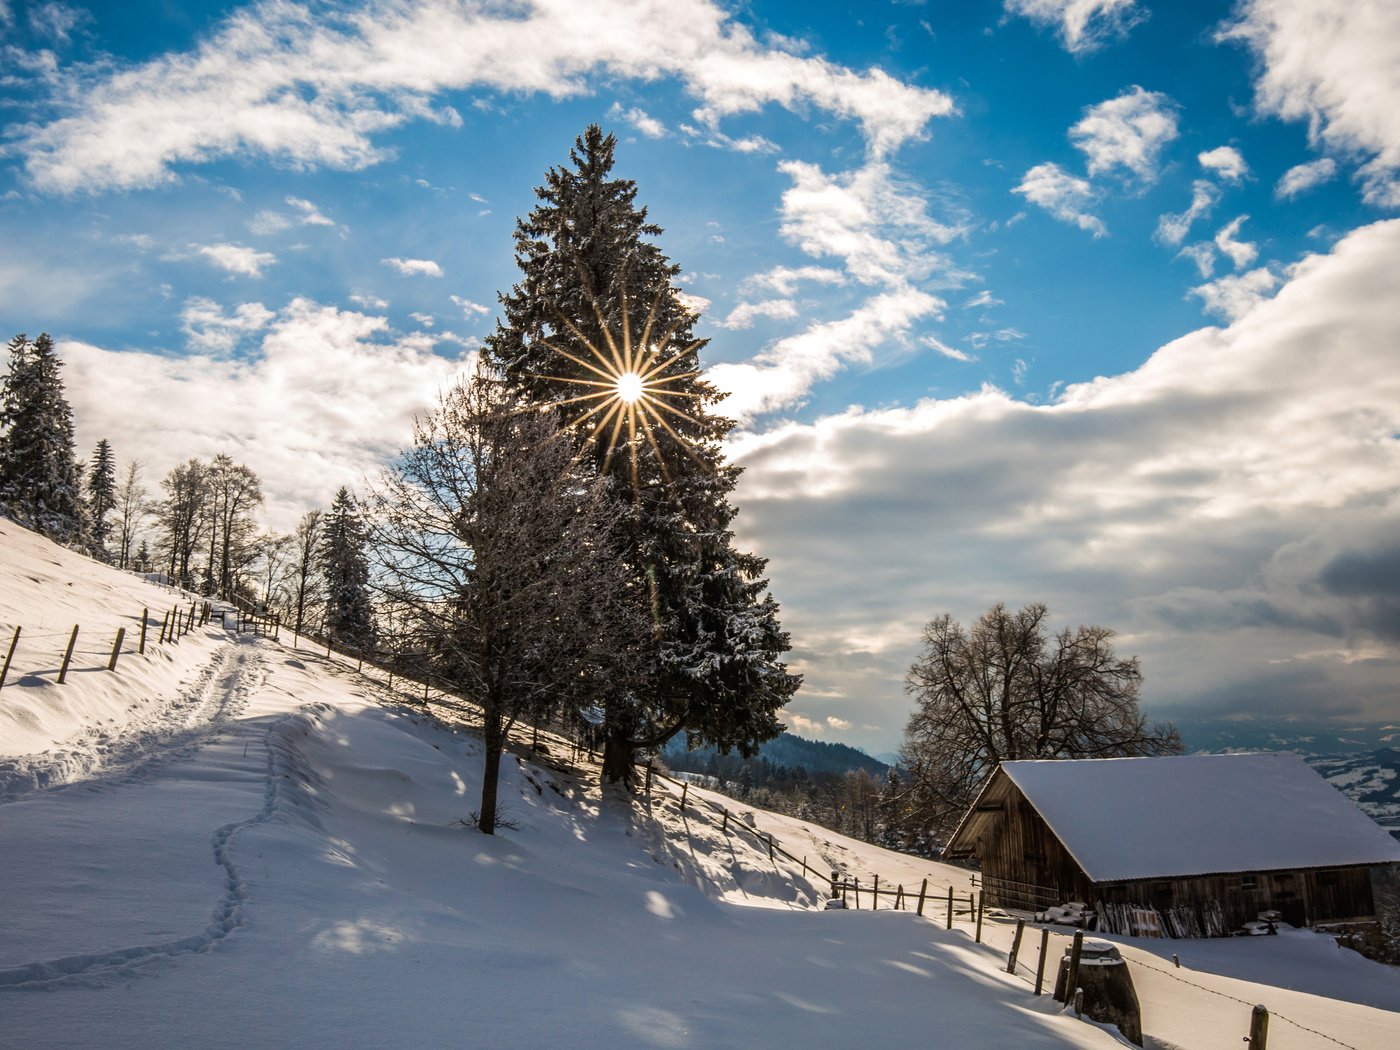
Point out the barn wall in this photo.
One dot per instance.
(1023, 863)
(1305, 898)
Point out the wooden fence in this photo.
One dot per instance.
(131, 636)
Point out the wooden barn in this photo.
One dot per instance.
(1192, 845)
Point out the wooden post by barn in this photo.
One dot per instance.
(8, 657)
(1040, 966)
(950, 907)
(116, 649)
(1078, 947)
(145, 613)
(1015, 946)
(981, 902)
(923, 892)
(1258, 1029)
(72, 641)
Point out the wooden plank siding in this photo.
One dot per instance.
(1019, 853)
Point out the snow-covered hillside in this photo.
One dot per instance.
(231, 843)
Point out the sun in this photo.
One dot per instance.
(630, 388)
(628, 384)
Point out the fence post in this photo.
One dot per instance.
(116, 649)
(899, 896)
(8, 657)
(981, 896)
(923, 892)
(685, 790)
(1015, 946)
(724, 828)
(875, 895)
(770, 849)
(1072, 984)
(164, 621)
(1258, 1029)
(72, 641)
(145, 613)
(950, 907)
(855, 885)
(277, 628)
(1040, 966)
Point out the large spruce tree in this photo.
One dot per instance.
(596, 310)
(40, 481)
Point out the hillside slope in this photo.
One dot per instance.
(279, 858)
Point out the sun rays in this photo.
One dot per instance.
(631, 390)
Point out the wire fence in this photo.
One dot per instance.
(32, 655)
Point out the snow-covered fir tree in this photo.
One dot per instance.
(345, 568)
(40, 481)
(101, 497)
(596, 327)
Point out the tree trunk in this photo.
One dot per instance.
(493, 739)
(619, 766)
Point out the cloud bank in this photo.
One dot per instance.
(1215, 506)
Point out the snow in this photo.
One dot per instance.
(1139, 818)
(262, 848)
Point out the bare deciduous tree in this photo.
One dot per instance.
(1005, 690)
(507, 562)
(132, 508)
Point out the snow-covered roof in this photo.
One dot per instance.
(1139, 818)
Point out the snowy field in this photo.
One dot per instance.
(229, 843)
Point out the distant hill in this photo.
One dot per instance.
(1371, 779)
(786, 750)
(1306, 738)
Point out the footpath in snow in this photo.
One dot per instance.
(228, 843)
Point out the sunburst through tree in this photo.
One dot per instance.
(633, 387)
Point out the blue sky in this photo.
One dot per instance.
(1048, 300)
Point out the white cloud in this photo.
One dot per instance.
(55, 21)
(1227, 163)
(235, 258)
(1173, 228)
(1203, 255)
(982, 298)
(1198, 505)
(426, 320)
(1334, 68)
(934, 343)
(414, 267)
(1234, 296)
(696, 304)
(208, 329)
(310, 213)
(1241, 253)
(1063, 195)
(369, 302)
(639, 119)
(1081, 25)
(1126, 132)
(837, 723)
(268, 222)
(781, 375)
(1302, 177)
(785, 279)
(878, 226)
(743, 315)
(470, 310)
(323, 398)
(286, 81)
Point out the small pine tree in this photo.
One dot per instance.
(40, 481)
(101, 497)
(143, 557)
(345, 567)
